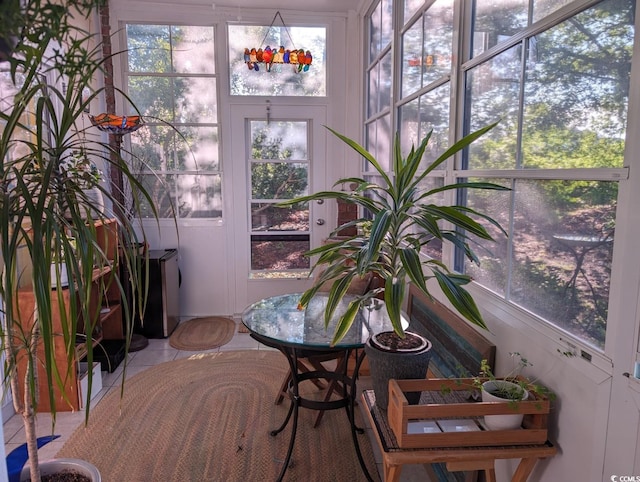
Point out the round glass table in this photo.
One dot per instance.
(279, 323)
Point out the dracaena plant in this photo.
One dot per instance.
(402, 219)
(47, 85)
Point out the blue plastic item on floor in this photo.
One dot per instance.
(19, 456)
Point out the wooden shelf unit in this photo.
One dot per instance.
(105, 304)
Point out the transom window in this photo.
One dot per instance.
(280, 77)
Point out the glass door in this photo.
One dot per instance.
(279, 154)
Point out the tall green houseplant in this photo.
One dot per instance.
(404, 219)
(49, 66)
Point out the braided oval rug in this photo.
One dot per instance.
(203, 333)
(207, 418)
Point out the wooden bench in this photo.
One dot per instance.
(458, 348)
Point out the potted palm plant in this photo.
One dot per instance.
(402, 220)
(47, 84)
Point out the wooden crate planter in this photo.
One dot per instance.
(400, 413)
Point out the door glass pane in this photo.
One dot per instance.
(279, 140)
(278, 180)
(267, 217)
(279, 253)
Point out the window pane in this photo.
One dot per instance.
(562, 245)
(149, 48)
(279, 140)
(267, 217)
(380, 85)
(153, 148)
(199, 196)
(417, 118)
(193, 50)
(576, 90)
(175, 99)
(493, 90)
(542, 8)
(412, 59)
(280, 78)
(375, 33)
(495, 21)
(197, 148)
(379, 142)
(411, 7)
(434, 247)
(279, 252)
(153, 96)
(385, 82)
(380, 27)
(278, 180)
(161, 188)
(438, 38)
(195, 99)
(493, 255)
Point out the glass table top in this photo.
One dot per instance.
(278, 318)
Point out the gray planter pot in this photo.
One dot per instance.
(55, 466)
(386, 364)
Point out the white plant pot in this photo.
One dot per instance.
(64, 277)
(55, 466)
(96, 200)
(501, 422)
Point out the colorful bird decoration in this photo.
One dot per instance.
(300, 59)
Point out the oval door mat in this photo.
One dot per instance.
(203, 333)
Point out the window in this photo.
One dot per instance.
(560, 89)
(280, 78)
(561, 95)
(379, 80)
(172, 80)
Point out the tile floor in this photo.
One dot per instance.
(158, 351)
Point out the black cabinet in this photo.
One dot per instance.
(162, 311)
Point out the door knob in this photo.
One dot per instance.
(320, 222)
(320, 201)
